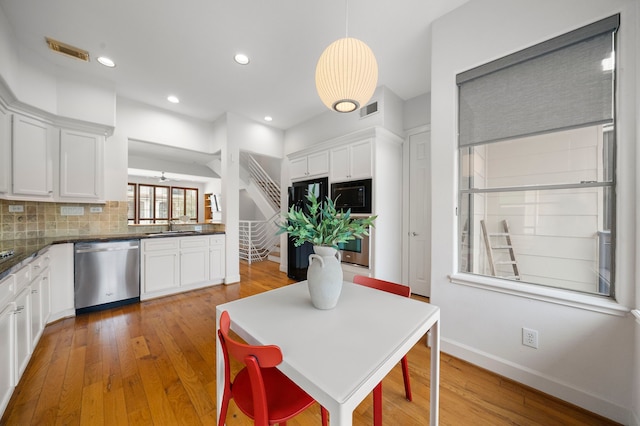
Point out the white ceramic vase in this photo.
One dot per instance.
(324, 277)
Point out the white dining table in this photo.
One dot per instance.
(339, 355)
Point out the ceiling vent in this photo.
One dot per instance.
(367, 110)
(67, 49)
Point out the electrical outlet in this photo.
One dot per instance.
(530, 337)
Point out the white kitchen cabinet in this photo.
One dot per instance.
(45, 298)
(216, 258)
(316, 164)
(81, 165)
(23, 331)
(40, 304)
(351, 162)
(32, 171)
(36, 313)
(160, 265)
(7, 353)
(7, 340)
(194, 260)
(5, 151)
(61, 281)
(176, 264)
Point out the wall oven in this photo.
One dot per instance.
(354, 195)
(355, 251)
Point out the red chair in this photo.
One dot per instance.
(260, 390)
(400, 290)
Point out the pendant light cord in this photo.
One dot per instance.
(346, 18)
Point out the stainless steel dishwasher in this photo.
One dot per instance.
(107, 274)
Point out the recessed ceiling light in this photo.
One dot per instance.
(106, 61)
(173, 99)
(241, 58)
(268, 118)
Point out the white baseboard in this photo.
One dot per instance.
(537, 380)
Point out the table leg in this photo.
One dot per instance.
(435, 374)
(341, 417)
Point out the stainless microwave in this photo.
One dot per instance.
(354, 195)
(355, 251)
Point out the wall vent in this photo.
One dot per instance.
(367, 110)
(67, 49)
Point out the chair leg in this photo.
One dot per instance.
(324, 414)
(223, 409)
(407, 383)
(377, 405)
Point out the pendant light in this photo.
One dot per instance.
(346, 74)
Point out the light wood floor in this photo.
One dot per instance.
(154, 364)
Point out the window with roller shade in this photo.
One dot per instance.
(537, 163)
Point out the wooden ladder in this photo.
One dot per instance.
(500, 241)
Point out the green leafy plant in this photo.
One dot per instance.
(324, 224)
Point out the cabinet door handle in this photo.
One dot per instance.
(34, 291)
(19, 309)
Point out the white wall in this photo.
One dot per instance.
(417, 111)
(8, 53)
(584, 356)
(248, 208)
(330, 124)
(635, 397)
(255, 137)
(33, 82)
(150, 124)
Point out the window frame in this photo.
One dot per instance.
(155, 220)
(591, 301)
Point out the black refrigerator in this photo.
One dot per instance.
(298, 257)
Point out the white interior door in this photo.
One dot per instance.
(419, 214)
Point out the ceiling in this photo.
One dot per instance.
(164, 47)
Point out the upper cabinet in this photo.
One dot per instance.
(32, 173)
(316, 164)
(41, 162)
(81, 165)
(5, 151)
(351, 162)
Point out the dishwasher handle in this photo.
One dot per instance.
(103, 249)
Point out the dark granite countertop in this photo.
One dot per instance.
(25, 250)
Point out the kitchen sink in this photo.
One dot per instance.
(169, 233)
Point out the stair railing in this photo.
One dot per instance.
(268, 186)
(258, 238)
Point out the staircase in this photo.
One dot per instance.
(258, 240)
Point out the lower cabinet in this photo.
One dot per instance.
(194, 260)
(160, 265)
(7, 351)
(216, 258)
(23, 331)
(175, 264)
(25, 309)
(40, 306)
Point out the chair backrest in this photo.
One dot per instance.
(388, 286)
(255, 358)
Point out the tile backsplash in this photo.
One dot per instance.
(44, 219)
